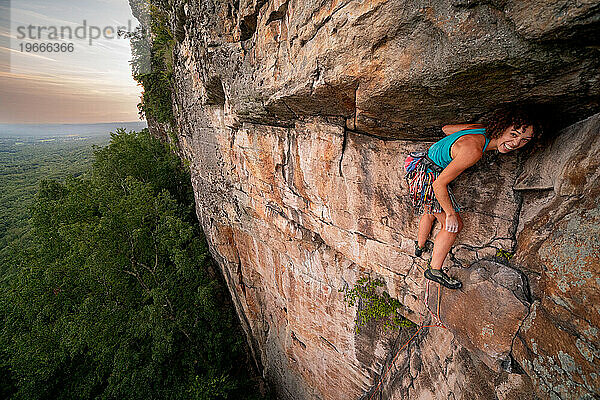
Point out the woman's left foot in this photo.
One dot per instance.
(439, 276)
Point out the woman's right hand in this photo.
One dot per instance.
(451, 223)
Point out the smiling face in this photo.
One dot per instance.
(513, 139)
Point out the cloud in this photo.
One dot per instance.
(39, 99)
(26, 54)
(18, 12)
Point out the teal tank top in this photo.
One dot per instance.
(439, 152)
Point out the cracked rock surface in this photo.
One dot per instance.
(559, 248)
(297, 117)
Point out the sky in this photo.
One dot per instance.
(92, 83)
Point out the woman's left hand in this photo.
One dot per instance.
(452, 223)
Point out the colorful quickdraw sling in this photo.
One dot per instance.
(421, 171)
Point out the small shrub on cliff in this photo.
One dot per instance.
(156, 98)
(373, 305)
(503, 256)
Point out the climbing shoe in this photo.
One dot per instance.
(419, 250)
(439, 276)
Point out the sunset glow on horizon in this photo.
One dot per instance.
(92, 83)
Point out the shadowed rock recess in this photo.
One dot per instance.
(296, 117)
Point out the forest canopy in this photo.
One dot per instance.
(116, 295)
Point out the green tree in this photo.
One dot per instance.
(152, 65)
(117, 296)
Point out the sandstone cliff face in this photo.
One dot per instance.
(297, 116)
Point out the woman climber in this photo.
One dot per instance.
(429, 174)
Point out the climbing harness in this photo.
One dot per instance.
(436, 317)
(414, 158)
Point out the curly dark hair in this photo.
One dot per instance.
(517, 115)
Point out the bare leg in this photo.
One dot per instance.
(443, 241)
(425, 224)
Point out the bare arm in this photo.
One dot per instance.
(450, 129)
(468, 152)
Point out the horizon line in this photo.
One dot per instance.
(69, 123)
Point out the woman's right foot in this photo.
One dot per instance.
(439, 276)
(419, 250)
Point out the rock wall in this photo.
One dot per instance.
(559, 250)
(296, 117)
